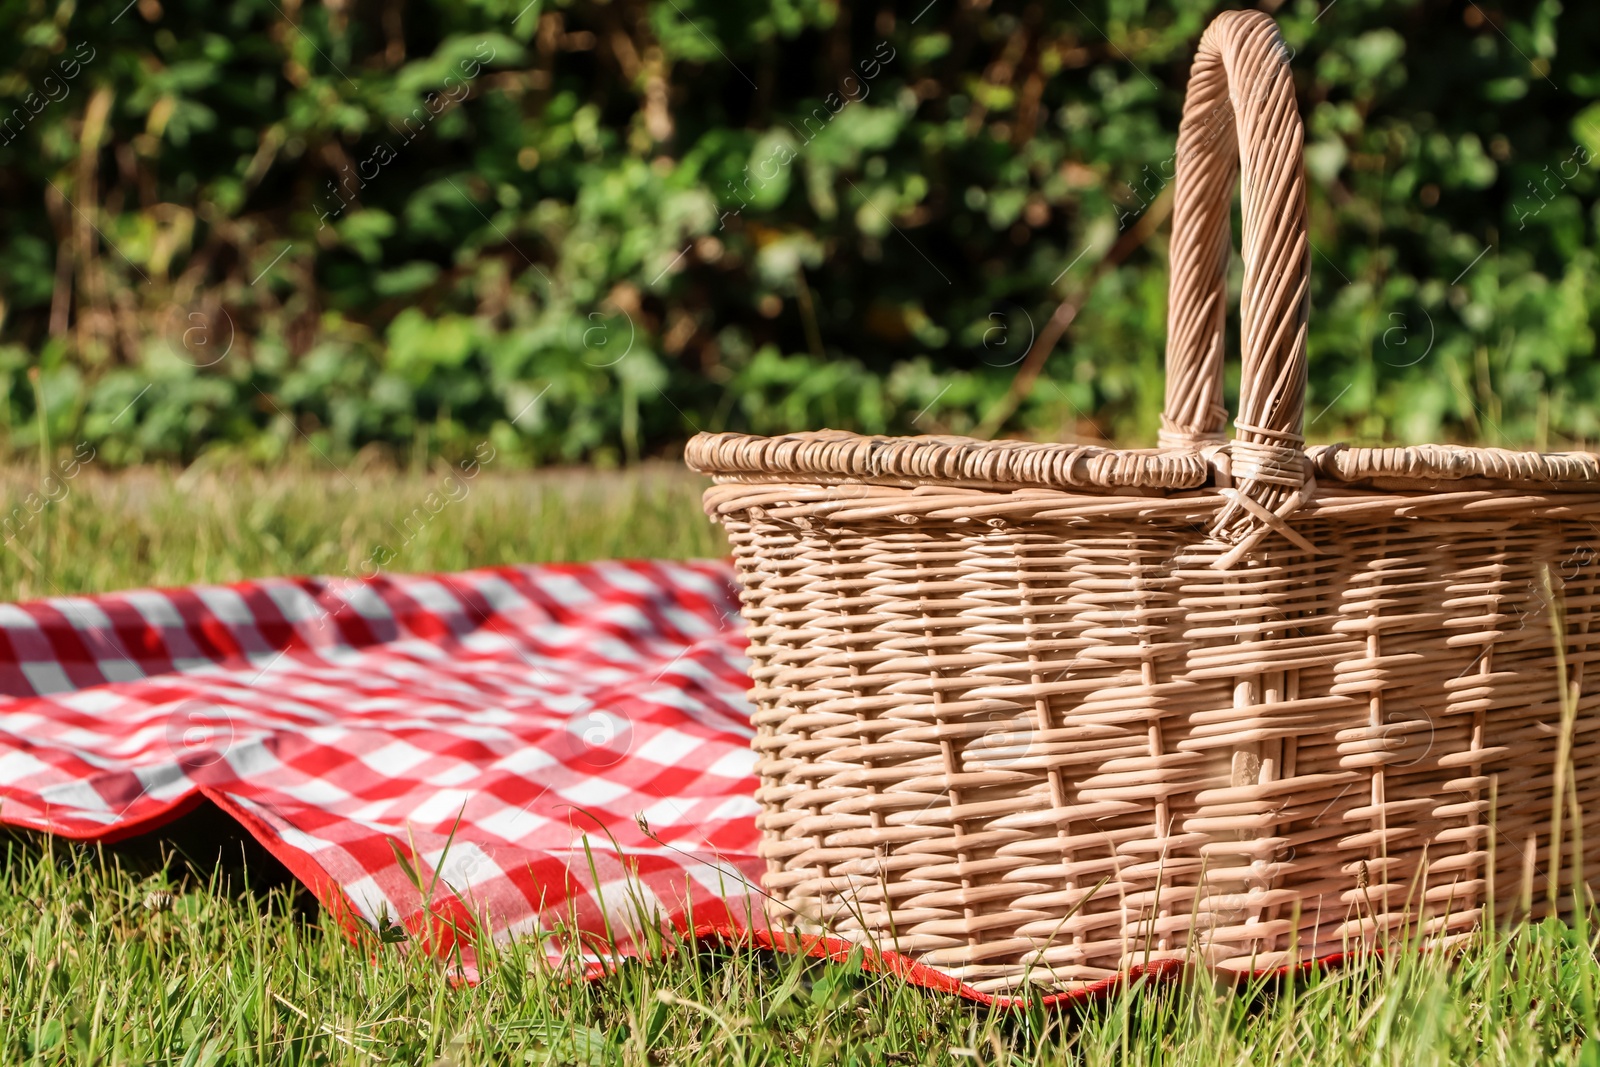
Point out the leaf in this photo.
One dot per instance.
(389, 931)
(566, 1042)
(406, 867)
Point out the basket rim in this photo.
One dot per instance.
(1014, 464)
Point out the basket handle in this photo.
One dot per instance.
(1240, 84)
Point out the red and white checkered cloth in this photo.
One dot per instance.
(539, 749)
(537, 711)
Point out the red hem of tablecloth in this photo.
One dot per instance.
(166, 812)
(838, 950)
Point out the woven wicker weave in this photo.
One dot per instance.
(1037, 713)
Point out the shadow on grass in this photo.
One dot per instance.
(202, 850)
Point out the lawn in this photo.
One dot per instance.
(199, 950)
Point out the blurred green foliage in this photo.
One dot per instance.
(584, 230)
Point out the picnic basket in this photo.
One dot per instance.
(1037, 714)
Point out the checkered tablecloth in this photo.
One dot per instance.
(582, 729)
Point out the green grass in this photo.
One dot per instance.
(135, 956)
(155, 527)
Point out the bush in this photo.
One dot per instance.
(585, 230)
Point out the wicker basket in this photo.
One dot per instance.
(1040, 713)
